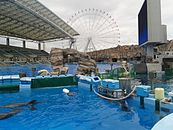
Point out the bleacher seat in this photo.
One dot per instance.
(14, 54)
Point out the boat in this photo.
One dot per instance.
(116, 94)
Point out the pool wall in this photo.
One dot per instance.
(53, 81)
(8, 87)
(9, 83)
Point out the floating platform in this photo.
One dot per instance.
(48, 81)
(9, 83)
(9, 78)
(26, 80)
(84, 79)
(110, 83)
(9, 87)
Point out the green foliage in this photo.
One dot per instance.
(118, 73)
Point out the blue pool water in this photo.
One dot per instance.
(27, 69)
(84, 111)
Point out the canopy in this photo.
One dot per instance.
(29, 19)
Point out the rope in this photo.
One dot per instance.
(114, 99)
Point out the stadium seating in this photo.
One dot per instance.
(19, 55)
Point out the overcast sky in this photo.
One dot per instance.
(123, 11)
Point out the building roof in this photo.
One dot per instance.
(29, 19)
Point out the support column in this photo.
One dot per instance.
(72, 41)
(44, 46)
(157, 105)
(24, 44)
(39, 46)
(7, 41)
(141, 101)
(149, 49)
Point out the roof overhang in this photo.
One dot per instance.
(29, 19)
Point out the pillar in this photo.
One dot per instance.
(7, 41)
(39, 46)
(141, 101)
(24, 44)
(44, 46)
(157, 105)
(149, 50)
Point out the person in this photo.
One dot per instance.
(66, 91)
(70, 94)
(30, 104)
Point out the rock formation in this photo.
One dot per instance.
(165, 47)
(126, 52)
(56, 56)
(59, 57)
(85, 64)
(56, 59)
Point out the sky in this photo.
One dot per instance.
(124, 12)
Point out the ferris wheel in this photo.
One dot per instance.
(97, 29)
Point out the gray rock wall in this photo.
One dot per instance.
(59, 57)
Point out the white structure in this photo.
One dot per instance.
(164, 124)
(156, 31)
(151, 30)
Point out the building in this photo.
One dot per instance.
(29, 20)
(151, 32)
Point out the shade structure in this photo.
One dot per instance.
(29, 19)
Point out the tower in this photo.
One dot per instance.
(151, 32)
